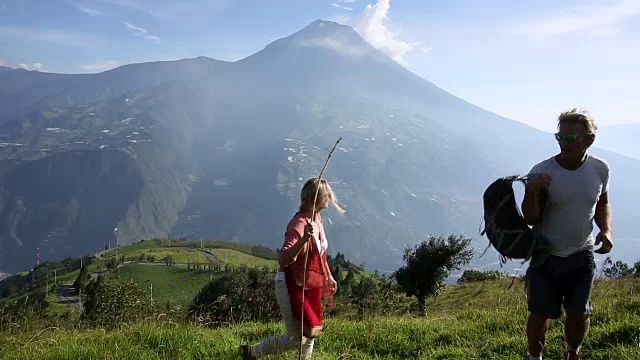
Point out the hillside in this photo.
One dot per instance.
(146, 264)
(473, 321)
(203, 149)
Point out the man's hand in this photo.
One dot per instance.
(539, 182)
(604, 238)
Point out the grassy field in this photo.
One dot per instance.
(237, 258)
(179, 255)
(473, 321)
(170, 283)
(124, 250)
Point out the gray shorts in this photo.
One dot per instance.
(561, 282)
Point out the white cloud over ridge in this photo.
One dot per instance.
(373, 28)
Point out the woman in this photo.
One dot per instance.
(304, 236)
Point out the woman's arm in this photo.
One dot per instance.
(327, 270)
(295, 244)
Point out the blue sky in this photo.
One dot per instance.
(527, 60)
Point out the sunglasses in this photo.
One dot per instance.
(569, 137)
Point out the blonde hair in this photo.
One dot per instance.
(578, 116)
(308, 194)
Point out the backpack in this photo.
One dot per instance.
(505, 226)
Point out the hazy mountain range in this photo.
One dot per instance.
(201, 148)
(622, 139)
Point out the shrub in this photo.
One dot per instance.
(235, 297)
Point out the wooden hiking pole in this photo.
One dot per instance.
(306, 254)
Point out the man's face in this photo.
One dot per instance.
(574, 139)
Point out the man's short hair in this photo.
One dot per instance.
(578, 116)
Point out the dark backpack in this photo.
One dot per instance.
(505, 226)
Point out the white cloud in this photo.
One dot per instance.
(372, 28)
(341, 19)
(341, 7)
(138, 29)
(60, 37)
(601, 20)
(153, 38)
(24, 66)
(100, 65)
(348, 1)
(85, 9)
(39, 67)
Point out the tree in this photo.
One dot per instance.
(337, 275)
(429, 263)
(348, 282)
(472, 275)
(619, 269)
(244, 295)
(8, 291)
(168, 260)
(82, 279)
(366, 296)
(110, 303)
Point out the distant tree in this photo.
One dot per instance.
(8, 291)
(110, 303)
(244, 295)
(141, 258)
(429, 263)
(337, 275)
(82, 279)
(168, 260)
(349, 279)
(478, 275)
(619, 269)
(366, 296)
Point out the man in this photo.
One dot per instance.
(564, 196)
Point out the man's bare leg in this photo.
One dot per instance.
(576, 328)
(537, 327)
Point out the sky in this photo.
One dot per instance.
(527, 60)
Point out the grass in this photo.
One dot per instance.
(124, 250)
(473, 321)
(170, 284)
(179, 255)
(237, 258)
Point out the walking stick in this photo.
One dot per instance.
(306, 255)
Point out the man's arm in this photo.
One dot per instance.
(603, 217)
(532, 204)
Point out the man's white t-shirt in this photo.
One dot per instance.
(567, 220)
